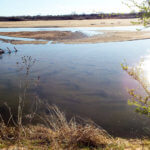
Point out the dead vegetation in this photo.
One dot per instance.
(68, 37)
(46, 35)
(56, 133)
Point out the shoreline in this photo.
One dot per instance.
(68, 37)
(15, 42)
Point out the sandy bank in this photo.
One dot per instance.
(111, 36)
(15, 42)
(68, 23)
(77, 37)
(47, 35)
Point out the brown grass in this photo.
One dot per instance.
(73, 135)
(112, 36)
(46, 35)
(69, 23)
(59, 134)
(77, 37)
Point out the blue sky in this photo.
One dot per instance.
(54, 7)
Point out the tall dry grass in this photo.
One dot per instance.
(71, 135)
(57, 133)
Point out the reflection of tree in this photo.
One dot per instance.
(141, 102)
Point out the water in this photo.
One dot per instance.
(82, 79)
(85, 30)
(89, 31)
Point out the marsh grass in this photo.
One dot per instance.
(57, 133)
(70, 134)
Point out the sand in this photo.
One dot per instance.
(111, 36)
(68, 23)
(77, 37)
(69, 37)
(46, 35)
(15, 42)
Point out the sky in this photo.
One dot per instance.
(60, 7)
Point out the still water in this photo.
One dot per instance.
(81, 79)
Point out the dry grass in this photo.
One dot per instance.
(111, 36)
(71, 135)
(76, 37)
(59, 134)
(69, 23)
(46, 35)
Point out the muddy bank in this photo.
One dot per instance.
(112, 36)
(76, 37)
(46, 35)
(15, 42)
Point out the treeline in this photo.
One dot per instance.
(72, 17)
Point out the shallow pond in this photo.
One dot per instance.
(82, 79)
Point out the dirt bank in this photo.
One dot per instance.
(77, 37)
(47, 35)
(112, 36)
(15, 42)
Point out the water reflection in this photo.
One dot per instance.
(141, 73)
(82, 79)
(145, 65)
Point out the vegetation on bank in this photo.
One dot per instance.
(59, 134)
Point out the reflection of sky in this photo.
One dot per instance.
(89, 31)
(15, 38)
(145, 66)
(84, 79)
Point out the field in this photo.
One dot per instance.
(68, 23)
